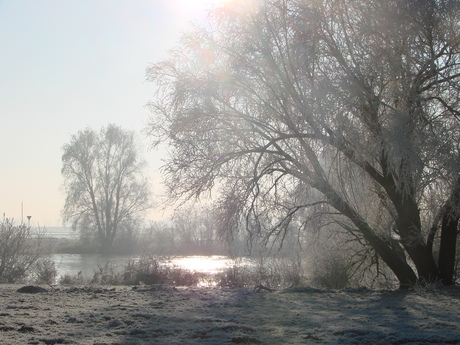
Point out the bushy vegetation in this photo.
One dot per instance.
(22, 254)
(43, 272)
(312, 261)
(335, 273)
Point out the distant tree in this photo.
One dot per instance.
(343, 111)
(158, 239)
(104, 182)
(195, 231)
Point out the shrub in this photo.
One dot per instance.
(150, 270)
(274, 272)
(20, 249)
(147, 270)
(107, 275)
(69, 279)
(333, 273)
(44, 272)
(233, 277)
(182, 277)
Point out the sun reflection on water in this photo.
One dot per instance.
(205, 264)
(208, 265)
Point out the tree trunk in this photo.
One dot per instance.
(424, 262)
(449, 232)
(409, 227)
(448, 246)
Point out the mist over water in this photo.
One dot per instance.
(60, 232)
(87, 264)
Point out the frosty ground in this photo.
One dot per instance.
(166, 315)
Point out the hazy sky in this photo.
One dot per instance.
(70, 64)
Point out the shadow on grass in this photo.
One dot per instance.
(239, 316)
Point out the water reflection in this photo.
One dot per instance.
(72, 264)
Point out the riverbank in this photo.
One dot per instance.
(167, 315)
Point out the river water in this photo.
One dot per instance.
(72, 264)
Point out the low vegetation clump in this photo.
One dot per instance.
(151, 270)
(145, 271)
(272, 272)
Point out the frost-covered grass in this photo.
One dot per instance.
(167, 315)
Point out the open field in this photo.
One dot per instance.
(167, 315)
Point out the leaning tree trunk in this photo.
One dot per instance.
(390, 255)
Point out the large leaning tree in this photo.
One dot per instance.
(106, 190)
(299, 110)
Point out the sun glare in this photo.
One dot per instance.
(194, 8)
(205, 264)
(200, 8)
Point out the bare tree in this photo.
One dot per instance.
(340, 109)
(104, 181)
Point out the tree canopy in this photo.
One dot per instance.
(104, 182)
(309, 112)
